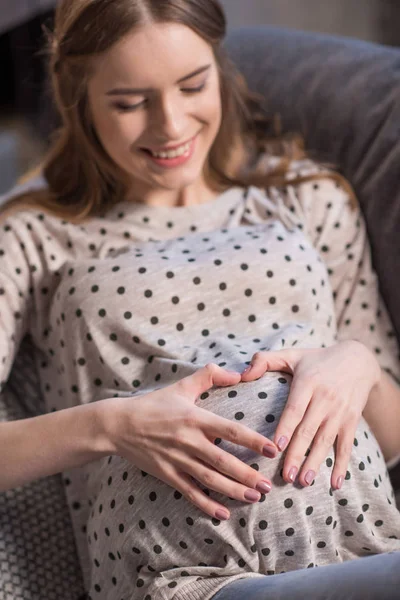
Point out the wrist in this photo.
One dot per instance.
(376, 391)
(372, 366)
(102, 437)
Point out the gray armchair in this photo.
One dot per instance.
(343, 95)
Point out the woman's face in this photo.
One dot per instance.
(158, 88)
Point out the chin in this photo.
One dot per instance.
(179, 178)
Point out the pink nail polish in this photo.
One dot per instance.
(221, 515)
(293, 473)
(269, 452)
(246, 370)
(282, 443)
(339, 482)
(264, 487)
(309, 478)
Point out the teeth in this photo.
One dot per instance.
(172, 153)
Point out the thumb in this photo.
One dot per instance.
(205, 378)
(281, 360)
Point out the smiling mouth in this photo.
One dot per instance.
(171, 152)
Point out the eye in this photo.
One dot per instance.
(194, 90)
(129, 107)
(132, 107)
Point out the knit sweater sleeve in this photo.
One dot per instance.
(338, 231)
(16, 294)
(33, 247)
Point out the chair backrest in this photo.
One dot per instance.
(343, 95)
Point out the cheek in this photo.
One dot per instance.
(117, 134)
(120, 136)
(212, 112)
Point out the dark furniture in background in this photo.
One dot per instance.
(389, 22)
(23, 87)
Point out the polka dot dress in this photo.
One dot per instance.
(137, 300)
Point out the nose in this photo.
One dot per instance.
(168, 120)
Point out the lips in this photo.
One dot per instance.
(168, 148)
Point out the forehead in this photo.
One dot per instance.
(153, 56)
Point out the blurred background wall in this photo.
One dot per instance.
(25, 121)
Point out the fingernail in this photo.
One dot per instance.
(264, 487)
(269, 451)
(282, 443)
(339, 482)
(252, 495)
(309, 478)
(222, 515)
(246, 370)
(293, 473)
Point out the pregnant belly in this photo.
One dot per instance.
(157, 536)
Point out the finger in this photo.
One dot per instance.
(214, 426)
(203, 379)
(298, 400)
(223, 462)
(183, 483)
(213, 479)
(320, 449)
(344, 446)
(302, 438)
(283, 360)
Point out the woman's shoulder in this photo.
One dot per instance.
(309, 179)
(319, 185)
(16, 203)
(301, 172)
(24, 185)
(308, 167)
(317, 196)
(296, 167)
(322, 182)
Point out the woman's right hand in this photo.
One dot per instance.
(165, 434)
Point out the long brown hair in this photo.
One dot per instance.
(82, 180)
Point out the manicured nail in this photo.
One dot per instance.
(246, 370)
(269, 451)
(282, 443)
(252, 495)
(309, 478)
(222, 515)
(293, 473)
(339, 482)
(264, 487)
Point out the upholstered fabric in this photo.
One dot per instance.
(38, 557)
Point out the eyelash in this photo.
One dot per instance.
(133, 107)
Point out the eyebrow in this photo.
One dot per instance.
(139, 91)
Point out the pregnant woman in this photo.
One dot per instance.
(174, 246)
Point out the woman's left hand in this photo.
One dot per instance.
(328, 394)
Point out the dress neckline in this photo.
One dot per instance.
(225, 199)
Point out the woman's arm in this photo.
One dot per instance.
(41, 446)
(340, 235)
(382, 413)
